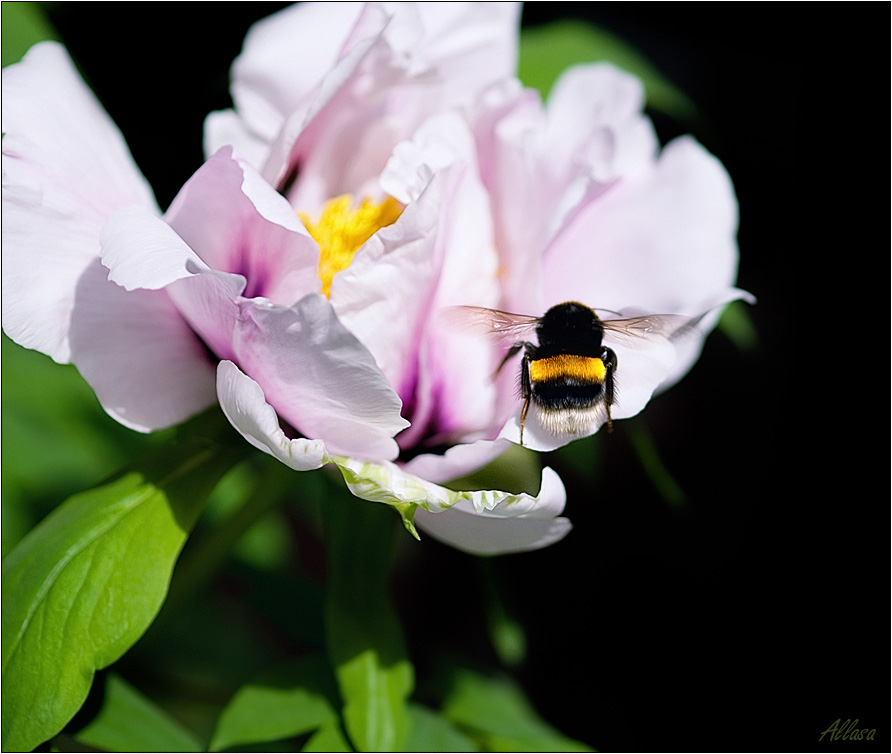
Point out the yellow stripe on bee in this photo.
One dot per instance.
(568, 366)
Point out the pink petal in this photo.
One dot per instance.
(145, 364)
(664, 242)
(438, 253)
(596, 120)
(295, 62)
(237, 223)
(390, 281)
(142, 251)
(285, 57)
(319, 377)
(66, 169)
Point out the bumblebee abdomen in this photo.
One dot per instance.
(568, 369)
(567, 381)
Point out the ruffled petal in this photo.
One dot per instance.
(244, 404)
(237, 223)
(283, 59)
(294, 62)
(450, 393)
(225, 128)
(319, 377)
(60, 184)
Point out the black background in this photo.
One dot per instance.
(757, 615)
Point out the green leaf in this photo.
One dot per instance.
(431, 732)
(128, 721)
(496, 712)
(364, 636)
(23, 25)
(291, 701)
(40, 400)
(86, 583)
(328, 738)
(547, 51)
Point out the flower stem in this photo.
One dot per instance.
(363, 633)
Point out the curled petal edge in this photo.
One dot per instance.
(245, 406)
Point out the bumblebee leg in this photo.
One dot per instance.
(523, 416)
(609, 359)
(525, 391)
(513, 352)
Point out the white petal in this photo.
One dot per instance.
(483, 522)
(458, 461)
(498, 532)
(142, 251)
(66, 169)
(386, 482)
(596, 119)
(225, 128)
(244, 404)
(480, 535)
(470, 45)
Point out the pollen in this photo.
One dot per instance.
(342, 229)
(567, 366)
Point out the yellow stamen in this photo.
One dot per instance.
(343, 229)
(567, 366)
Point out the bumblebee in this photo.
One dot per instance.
(569, 375)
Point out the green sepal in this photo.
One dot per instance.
(407, 514)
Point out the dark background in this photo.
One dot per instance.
(753, 615)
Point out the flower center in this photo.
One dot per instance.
(342, 229)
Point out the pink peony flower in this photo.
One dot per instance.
(382, 164)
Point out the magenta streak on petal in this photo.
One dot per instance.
(431, 424)
(255, 271)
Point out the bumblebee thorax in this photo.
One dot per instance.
(570, 327)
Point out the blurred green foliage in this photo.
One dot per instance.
(547, 51)
(22, 25)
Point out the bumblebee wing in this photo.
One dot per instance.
(651, 326)
(502, 326)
